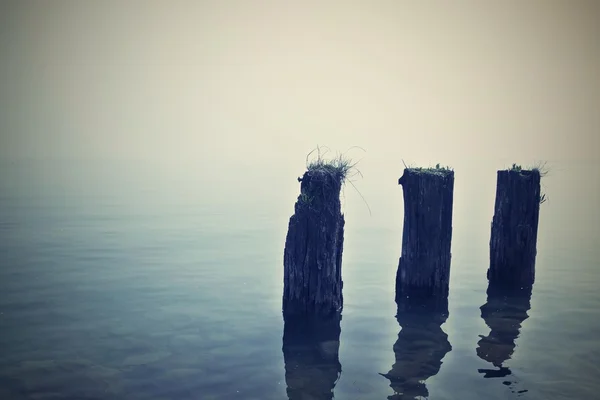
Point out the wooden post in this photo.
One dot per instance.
(311, 356)
(424, 268)
(313, 247)
(514, 228)
(504, 312)
(419, 350)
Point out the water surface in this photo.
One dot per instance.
(118, 284)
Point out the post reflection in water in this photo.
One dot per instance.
(420, 348)
(504, 312)
(311, 356)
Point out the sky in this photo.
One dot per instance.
(234, 83)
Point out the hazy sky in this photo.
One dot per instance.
(224, 81)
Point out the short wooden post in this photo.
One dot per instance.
(514, 228)
(424, 268)
(311, 356)
(419, 350)
(313, 247)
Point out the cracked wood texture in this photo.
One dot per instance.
(313, 247)
(514, 229)
(424, 267)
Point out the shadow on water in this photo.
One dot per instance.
(311, 356)
(419, 350)
(504, 312)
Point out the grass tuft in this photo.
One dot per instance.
(340, 166)
(437, 170)
(516, 167)
(541, 167)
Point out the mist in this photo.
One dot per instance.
(241, 83)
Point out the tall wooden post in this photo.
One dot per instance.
(514, 228)
(313, 247)
(424, 268)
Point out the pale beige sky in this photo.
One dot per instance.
(237, 81)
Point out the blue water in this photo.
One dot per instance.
(123, 285)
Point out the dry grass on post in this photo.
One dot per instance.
(314, 242)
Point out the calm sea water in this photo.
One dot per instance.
(119, 283)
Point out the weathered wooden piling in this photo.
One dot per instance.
(419, 350)
(514, 228)
(311, 356)
(424, 267)
(504, 312)
(314, 243)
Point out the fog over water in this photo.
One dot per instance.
(148, 161)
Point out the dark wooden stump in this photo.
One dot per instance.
(514, 229)
(311, 356)
(419, 350)
(424, 269)
(313, 247)
(504, 312)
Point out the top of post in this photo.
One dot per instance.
(518, 171)
(430, 172)
(321, 170)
